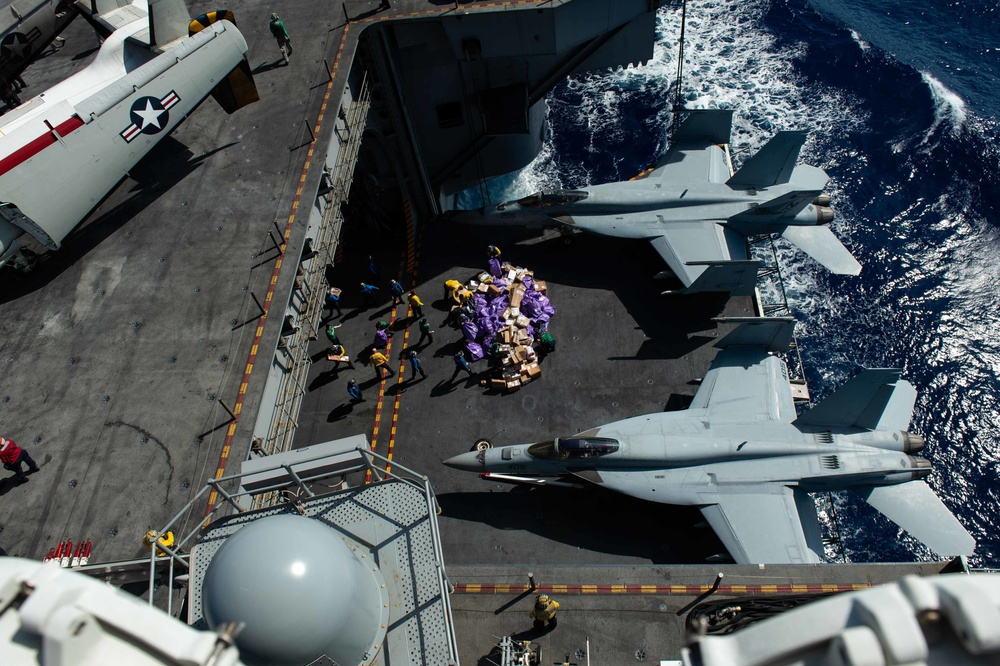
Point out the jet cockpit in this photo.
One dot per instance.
(574, 448)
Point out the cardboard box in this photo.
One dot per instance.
(482, 288)
(515, 297)
(521, 353)
(506, 314)
(533, 370)
(541, 287)
(493, 291)
(522, 337)
(525, 379)
(506, 335)
(513, 384)
(515, 312)
(498, 384)
(522, 321)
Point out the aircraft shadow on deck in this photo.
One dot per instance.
(593, 519)
(625, 267)
(165, 166)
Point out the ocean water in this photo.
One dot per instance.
(901, 100)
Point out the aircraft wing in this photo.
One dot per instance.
(759, 523)
(706, 256)
(694, 155)
(769, 525)
(88, 147)
(745, 383)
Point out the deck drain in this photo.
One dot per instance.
(640, 655)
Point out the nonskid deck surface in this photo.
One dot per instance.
(117, 349)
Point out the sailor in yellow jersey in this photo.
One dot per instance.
(544, 611)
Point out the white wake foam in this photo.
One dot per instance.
(949, 108)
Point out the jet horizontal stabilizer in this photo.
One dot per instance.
(820, 244)
(774, 334)
(771, 165)
(877, 399)
(914, 507)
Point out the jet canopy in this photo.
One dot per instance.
(546, 199)
(574, 448)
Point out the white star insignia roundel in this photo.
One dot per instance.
(149, 115)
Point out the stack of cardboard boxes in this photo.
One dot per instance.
(518, 362)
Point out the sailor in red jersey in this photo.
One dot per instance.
(12, 455)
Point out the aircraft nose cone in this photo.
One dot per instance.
(469, 462)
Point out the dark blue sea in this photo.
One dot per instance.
(901, 99)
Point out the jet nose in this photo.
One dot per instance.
(472, 461)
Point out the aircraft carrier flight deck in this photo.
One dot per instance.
(138, 361)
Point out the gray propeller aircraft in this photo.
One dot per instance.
(26, 31)
(741, 455)
(695, 214)
(85, 133)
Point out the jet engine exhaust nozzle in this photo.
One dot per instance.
(912, 442)
(824, 215)
(822, 200)
(921, 467)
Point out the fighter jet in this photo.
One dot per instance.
(695, 214)
(741, 455)
(63, 151)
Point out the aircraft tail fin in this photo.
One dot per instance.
(822, 245)
(877, 399)
(771, 165)
(168, 21)
(237, 89)
(917, 509)
(774, 334)
(736, 276)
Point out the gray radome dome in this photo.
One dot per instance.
(297, 587)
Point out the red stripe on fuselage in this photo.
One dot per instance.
(36, 146)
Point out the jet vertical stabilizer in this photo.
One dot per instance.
(877, 399)
(771, 165)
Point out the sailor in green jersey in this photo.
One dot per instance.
(280, 33)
